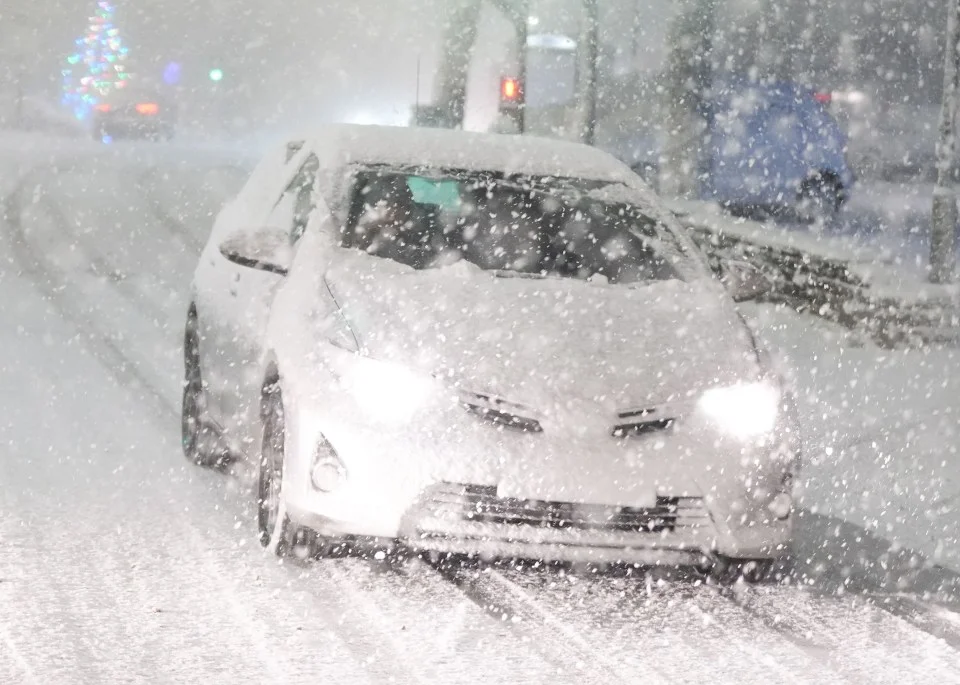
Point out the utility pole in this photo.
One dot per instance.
(459, 38)
(690, 73)
(943, 229)
(591, 41)
(523, 50)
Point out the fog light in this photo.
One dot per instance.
(327, 474)
(781, 506)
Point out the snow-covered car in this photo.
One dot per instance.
(768, 147)
(486, 345)
(775, 146)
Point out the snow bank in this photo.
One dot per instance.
(839, 278)
(880, 431)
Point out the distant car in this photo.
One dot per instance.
(768, 147)
(134, 113)
(481, 344)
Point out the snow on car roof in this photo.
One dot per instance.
(444, 148)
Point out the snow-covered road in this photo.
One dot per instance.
(119, 562)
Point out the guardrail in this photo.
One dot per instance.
(819, 276)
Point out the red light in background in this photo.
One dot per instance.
(102, 107)
(148, 108)
(823, 98)
(510, 89)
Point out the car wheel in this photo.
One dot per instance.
(199, 437)
(819, 201)
(727, 570)
(275, 529)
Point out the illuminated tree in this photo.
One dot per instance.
(98, 66)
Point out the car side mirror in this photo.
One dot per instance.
(265, 249)
(744, 281)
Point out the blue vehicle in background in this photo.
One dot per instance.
(771, 148)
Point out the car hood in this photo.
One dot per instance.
(546, 342)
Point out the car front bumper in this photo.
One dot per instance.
(435, 523)
(466, 488)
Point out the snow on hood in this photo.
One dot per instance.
(545, 342)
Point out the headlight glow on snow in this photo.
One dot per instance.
(388, 392)
(743, 411)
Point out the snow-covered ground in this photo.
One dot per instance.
(119, 562)
(881, 430)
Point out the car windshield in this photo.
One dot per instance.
(526, 226)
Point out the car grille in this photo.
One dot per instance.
(638, 422)
(481, 504)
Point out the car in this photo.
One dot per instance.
(132, 112)
(771, 148)
(483, 345)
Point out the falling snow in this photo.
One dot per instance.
(527, 341)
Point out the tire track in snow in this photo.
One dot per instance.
(575, 656)
(15, 657)
(859, 640)
(132, 291)
(680, 623)
(83, 293)
(146, 184)
(134, 282)
(53, 286)
(462, 636)
(919, 616)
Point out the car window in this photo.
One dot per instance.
(523, 226)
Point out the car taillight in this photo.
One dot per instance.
(148, 108)
(823, 98)
(102, 107)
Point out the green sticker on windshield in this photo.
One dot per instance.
(444, 193)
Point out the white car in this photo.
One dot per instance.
(488, 345)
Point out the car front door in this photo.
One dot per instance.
(250, 294)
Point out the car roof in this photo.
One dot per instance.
(344, 144)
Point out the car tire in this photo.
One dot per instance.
(276, 531)
(200, 438)
(819, 200)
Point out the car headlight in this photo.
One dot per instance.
(388, 392)
(744, 411)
